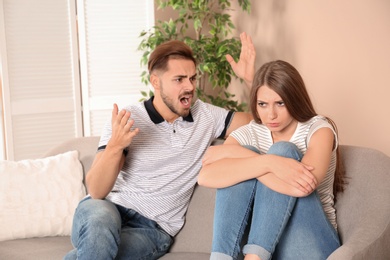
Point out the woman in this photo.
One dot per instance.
(284, 184)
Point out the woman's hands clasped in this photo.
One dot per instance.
(294, 173)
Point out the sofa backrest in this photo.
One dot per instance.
(86, 146)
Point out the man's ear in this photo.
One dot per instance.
(155, 81)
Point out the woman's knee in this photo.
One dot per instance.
(286, 149)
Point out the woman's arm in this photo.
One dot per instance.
(235, 164)
(230, 149)
(318, 155)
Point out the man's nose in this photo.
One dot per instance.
(189, 84)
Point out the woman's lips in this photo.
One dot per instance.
(273, 125)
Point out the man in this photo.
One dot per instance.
(148, 159)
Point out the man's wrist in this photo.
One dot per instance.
(248, 83)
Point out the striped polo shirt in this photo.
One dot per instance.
(259, 136)
(164, 159)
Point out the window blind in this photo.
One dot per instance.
(47, 96)
(40, 75)
(110, 61)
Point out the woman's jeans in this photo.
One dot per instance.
(104, 230)
(282, 227)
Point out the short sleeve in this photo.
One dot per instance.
(321, 123)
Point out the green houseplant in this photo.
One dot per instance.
(205, 26)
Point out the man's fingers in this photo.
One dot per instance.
(232, 62)
(229, 58)
(114, 112)
(125, 117)
(134, 132)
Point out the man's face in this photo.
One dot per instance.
(177, 86)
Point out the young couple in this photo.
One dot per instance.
(150, 154)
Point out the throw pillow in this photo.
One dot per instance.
(38, 197)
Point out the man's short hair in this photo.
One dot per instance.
(174, 49)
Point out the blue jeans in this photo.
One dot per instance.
(104, 230)
(282, 227)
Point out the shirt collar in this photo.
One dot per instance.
(156, 117)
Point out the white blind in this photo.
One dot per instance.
(40, 75)
(40, 45)
(110, 62)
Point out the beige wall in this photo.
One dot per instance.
(341, 48)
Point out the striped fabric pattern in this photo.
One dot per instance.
(259, 136)
(163, 161)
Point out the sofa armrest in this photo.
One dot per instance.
(363, 209)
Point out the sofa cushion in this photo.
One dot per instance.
(38, 197)
(42, 248)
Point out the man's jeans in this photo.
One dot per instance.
(282, 227)
(104, 230)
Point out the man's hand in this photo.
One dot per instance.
(245, 67)
(122, 135)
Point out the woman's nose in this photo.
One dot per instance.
(272, 113)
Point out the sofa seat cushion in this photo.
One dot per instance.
(35, 248)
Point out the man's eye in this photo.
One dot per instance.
(193, 79)
(179, 79)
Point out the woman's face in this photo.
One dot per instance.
(273, 112)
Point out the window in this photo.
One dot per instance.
(63, 64)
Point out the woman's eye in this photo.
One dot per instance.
(281, 103)
(261, 104)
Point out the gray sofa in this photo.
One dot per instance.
(363, 212)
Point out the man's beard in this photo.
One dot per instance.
(168, 102)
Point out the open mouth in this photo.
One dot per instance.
(186, 100)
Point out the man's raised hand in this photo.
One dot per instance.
(122, 134)
(245, 67)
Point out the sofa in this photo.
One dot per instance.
(363, 211)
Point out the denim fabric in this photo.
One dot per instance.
(104, 230)
(282, 227)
